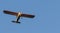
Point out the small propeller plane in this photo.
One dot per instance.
(18, 15)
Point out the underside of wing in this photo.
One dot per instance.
(11, 13)
(28, 15)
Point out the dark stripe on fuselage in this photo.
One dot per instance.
(18, 18)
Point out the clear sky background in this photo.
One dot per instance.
(47, 16)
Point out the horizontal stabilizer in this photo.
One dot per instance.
(15, 22)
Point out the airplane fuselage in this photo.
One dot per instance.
(18, 17)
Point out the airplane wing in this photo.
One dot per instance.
(11, 13)
(16, 14)
(28, 15)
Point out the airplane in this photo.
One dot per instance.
(18, 15)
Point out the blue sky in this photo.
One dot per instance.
(47, 16)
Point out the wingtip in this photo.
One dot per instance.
(5, 11)
(33, 16)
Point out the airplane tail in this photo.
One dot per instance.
(15, 22)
